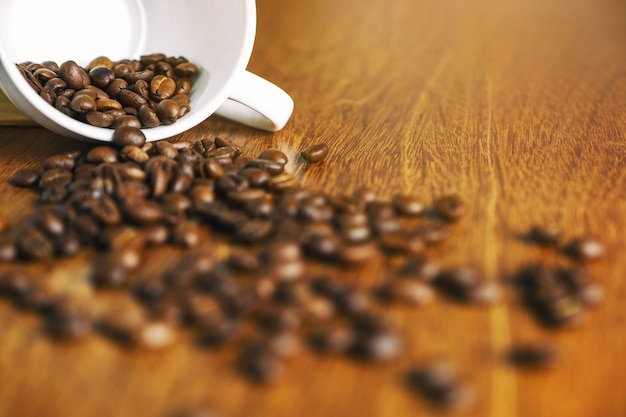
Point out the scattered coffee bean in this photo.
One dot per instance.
(128, 135)
(441, 385)
(532, 356)
(450, 208)
(123, 201)
(25, 177)
(585, 249)
(545, 235)
(315, 153)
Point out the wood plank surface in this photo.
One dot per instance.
(517, 106)
(11, 115)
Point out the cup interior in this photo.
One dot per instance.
(216, 35)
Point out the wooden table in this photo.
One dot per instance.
(517, 106)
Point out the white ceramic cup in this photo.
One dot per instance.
(216, 35)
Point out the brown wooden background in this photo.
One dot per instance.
(518, 106)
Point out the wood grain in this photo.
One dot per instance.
(11, 115)
(516, 106)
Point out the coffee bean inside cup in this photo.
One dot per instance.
(153, 89)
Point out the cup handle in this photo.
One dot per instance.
(258, 103)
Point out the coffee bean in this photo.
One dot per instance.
(134, 153)
(25, 177)
(532, 356)
(155, 335)
(274, 155)
(128, 135)
(258, 362)
(585, 249)
(69, 319)
(450, 207)
(379, 347)
(440, 384)
(408, 205)
(332, 340)
(168, 111)
(411, 292)
(31, 243)
(545, 235)
(459, 283)
(75, 77)
(315, 153)
(8, 249)
(100, 154)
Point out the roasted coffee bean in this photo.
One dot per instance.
(8, 250)
(134, 153)
(123, 320)
(48, 220)
(432, 232)
(166, 149)
(105, 105)
(379, 347)
(585, 249)
(459, 283)
(44, 75)
(532, 356)
(440, 384)
(110, 272)
(67, 245)
(48, 94)
(357, 254)
(75, 77)
(14, 283)
(271, 167)
(101, 76)
(315, 153)
(187, 234)
(69, 319)
(408, 205)
(101, 61)
(135, 76)
(55, 176)
(168, 111)
(65, 160)
(127, 120)
(62, 104)
(31, 243)
(402, 242)
(418, 268)
(185, 69)
(25, 177)
(56, 84)
(253, 231)
(566, 310)
(450, 207)
(545, 235)
(274, 155)
(162, 87)
(332, 340)
(99, 119)
(283, 182)
(259, 362)
(411, 292)
(100, 154)
(128, 135)
(155, 335)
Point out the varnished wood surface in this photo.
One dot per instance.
(518, 106)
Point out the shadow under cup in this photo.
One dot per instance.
(216, 35)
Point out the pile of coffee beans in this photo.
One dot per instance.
(124, 95)
(559, 295)
(280, 285)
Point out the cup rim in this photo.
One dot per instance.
(17, 89)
